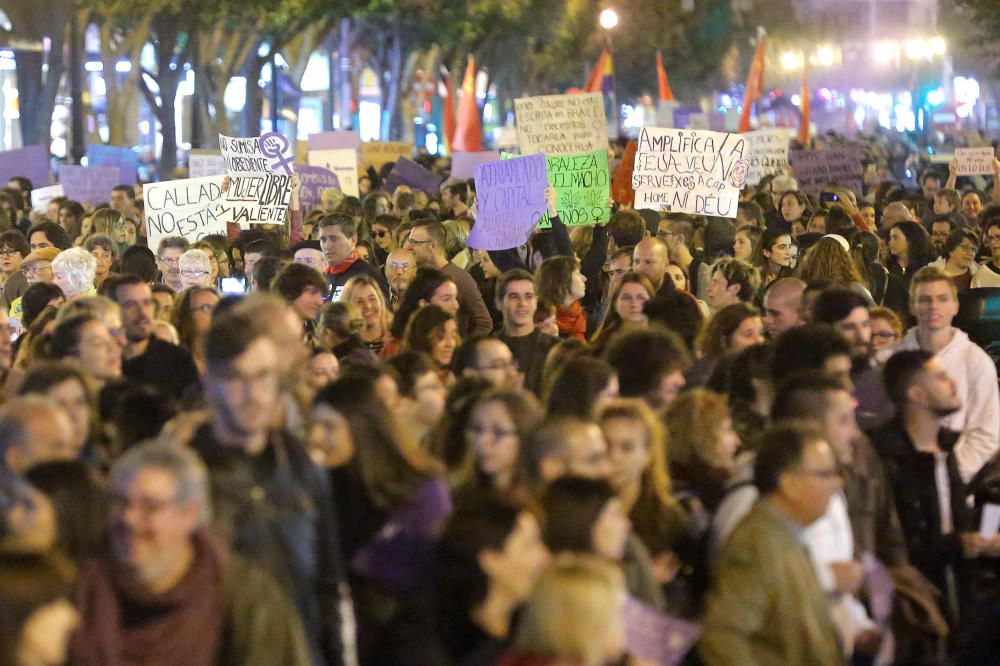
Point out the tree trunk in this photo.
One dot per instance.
(36, 89)
(255, 99)
(346, 96)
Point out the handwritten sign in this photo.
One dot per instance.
(463, 165)
(583, 186)
(689, 171)
(41, 196)
(408, 172)
(187, 208)
(260, 170)
(334, 140)
(343, 162)
(90, 185)
(314, 181)
(659, 638)
(974, 161)
(379, 153)
(815, 169)
(124, 159)
(561, 124)
(511, 196)
(767, 152)
(203, 163)
(32, 162)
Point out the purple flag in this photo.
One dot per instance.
(463, 165)
(32, 162)
(651, 635)
(124, 159)
(334, 140)
(314, 180)
(91, 185)
(510, 196)
(408, 172)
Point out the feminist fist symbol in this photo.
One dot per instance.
(274, 145)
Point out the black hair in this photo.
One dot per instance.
(806, 347)
(643, 357)
(900, 371)
(836, 303)
(574, 505)
(56, 234)
(780, 449)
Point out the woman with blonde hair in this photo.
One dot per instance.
(365, 293)
(574, 617)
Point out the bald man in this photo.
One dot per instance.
(651, 258)
(783, 306)
(896, 212)
(33, 430)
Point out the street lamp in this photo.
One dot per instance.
(790, 61)
(608, 19)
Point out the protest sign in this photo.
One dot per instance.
(511, 202)
(379, 153)
(125, 159)
(314, 180)
(260, 170)
(689, 171)
(407, 172)
(583, 185)
(203, 163)
(334, 140)
(561, 124)
(188, 208)
(463, 165)
(974, 161)
(815, 169)
(41, 196)
(343, 162)
(767, 152)
(32, 162)
(91, 185)
(659, 638)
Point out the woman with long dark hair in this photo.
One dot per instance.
(774, 255)
(910, 249)
(429, 285)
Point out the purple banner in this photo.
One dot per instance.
(124, 159)
(90, 185)
(408, 172)
(31, 162)
(463, 165)
(334, 141)
(660, 638)
(510, 195)
(314, 180)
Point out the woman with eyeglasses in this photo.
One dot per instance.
(887, 327)
(988, 274)
(958, 257)
(196, 269)
(192, 317)
(215, 265)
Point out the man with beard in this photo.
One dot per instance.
(400, 269)
(919, 458)
(163, 590)
(147, 358)
(272, 502)
(516, 301)
(847, 312)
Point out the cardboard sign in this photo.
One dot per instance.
(379, 153)
(314, 181)
(815, 169)
(124, 159)
(689, 171)
(31, 162)
(334, 140)
(90, 185)
(187, 208)
(408, 172)
(974, 161)
(343, 162)
(40, 198)
(203, 163)
(260, 170)
(583, 186)
(463, 165)
(561, 124)
(767, 152)
(657, 637)
(511, 202)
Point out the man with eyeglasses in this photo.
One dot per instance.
(676, 230)
(13, 249)
(164, 589)
(36, 267)
(168, 258)
(147, 358)
(489, 358)
(310, 253)
(400, 269)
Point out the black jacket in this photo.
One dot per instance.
(530, 352)
(166, 367)
(336, 281)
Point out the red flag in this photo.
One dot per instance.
(602, 74)
(469, 132)
(666, 94)
(755, 82)
(804, 121)
(621, 187)
(448, 112)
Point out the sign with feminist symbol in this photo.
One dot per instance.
(260, 171)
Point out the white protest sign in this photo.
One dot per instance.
(974, 161)
(989, 525)
(187, 208)
(767, 152)
(203, 163)
(689, 171)
(260, 170)
(40, 198)
(561, 124)
(343, 162)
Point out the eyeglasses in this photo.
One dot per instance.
(170, 261)
(32, 270)
(413, 241)
(311, 262)
(499, 365)
(207, 308)
(193, 274)
(381, 233)
(399, 267)
(885, 335)
(993, 238)
(967, 247)
(8, 251)
(664, 235)
(146, 506)
(473, 432)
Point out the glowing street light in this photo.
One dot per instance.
(790, 61)
(826, 56)
(885, 52)
(937, 46)
(608, 19)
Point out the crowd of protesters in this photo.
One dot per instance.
(353, 439)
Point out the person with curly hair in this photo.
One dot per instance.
(830, 260)
(910, 249)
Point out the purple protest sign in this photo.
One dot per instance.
(314, 180)
(91, 185)
(334, 141)
(124, 159)
(660, 638)
(32, 162)
(510, 197)
(408, 172)
(463, 165)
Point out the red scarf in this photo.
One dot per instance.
(344, 265)
(571, 321)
